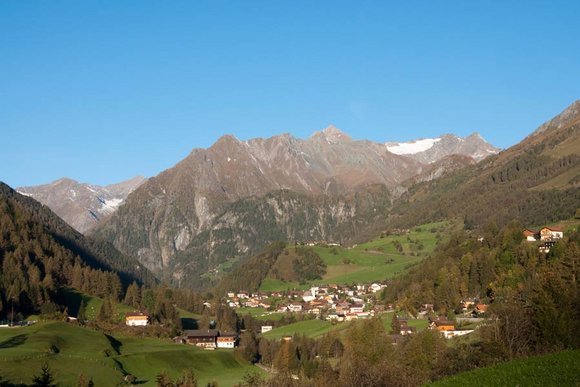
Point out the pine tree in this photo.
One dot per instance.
(82, 313)
(45, 379)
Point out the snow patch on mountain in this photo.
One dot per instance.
(110, 205)
(412, 147)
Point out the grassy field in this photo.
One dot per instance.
(317, 328)
(310, 328)
(376, 260)
(419, 324)
(70, 350)
(560, 369)
(93, 304)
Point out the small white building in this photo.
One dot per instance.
(136, 319)
(266, 328)
(226, 340)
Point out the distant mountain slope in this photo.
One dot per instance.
(215, 204)
(431, 150)
(32, 221)
(82, 205)
(536, 181)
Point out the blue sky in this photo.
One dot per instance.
(101, 91)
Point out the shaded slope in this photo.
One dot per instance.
(31, 220)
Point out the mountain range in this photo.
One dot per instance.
(212, 206)
(230, 200)
(225, 203)
(82, 205)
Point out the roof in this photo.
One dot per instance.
(482, 307)
(553, 228)
(201, 333)
(444, 322)
(136, 314)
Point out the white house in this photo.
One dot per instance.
(551, 233)
(226, 340)
(136, 319)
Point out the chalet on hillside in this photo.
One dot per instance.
(208, 338)
(205, 338)
(551, 233)
(136, 319)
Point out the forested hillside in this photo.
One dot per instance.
(40, 253)
(537, 292)
(536, 182)
(278, 261)
(95, 253)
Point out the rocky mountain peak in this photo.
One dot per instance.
(569, 116)
(331, 133)
(82, 205)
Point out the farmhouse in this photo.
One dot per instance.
(135, 319)
(227, 340)
(551, 233)
(205, 338)
(208, 338)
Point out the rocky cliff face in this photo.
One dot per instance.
(82, 205)
(231, 199)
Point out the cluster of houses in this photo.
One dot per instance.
(547, 236)
(335, 302)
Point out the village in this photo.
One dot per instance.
(334, 303)
(339, 303)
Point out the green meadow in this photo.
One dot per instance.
(317, 328)
(387, 319)
(70, 350)
(559, 369)
(373, 261)
(310, 328)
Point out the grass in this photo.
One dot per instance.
(260, 313)
(70, 350)
(373, 261)
(93, 304)
(310, 328)
(560, 369)
(419, 324)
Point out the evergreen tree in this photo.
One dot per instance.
(45, 379)
(82, 313)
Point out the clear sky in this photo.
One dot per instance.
(101, 91)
